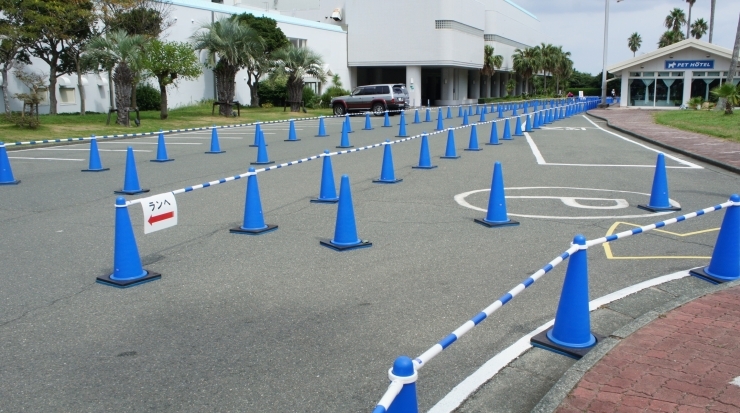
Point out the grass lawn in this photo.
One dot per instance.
(70, 126)
(714, 123)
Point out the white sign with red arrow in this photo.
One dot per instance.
(160, 212)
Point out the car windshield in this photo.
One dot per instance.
(357, 91)
(399, 90)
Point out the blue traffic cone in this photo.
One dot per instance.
(402, 127)
(496, 215)
(536, 120)
(406, 401)
(493, 140)
(161, 150)
(466, 122)
(262, 158)
(131, 179)
(460, 111)
(254, 220)
(425, 159)
(440, 122)
(215, 146)
(328, 192)
(513, 113)
(477, 109)
(528, 125)
(95, 165)
(484, 109)
(416, 116)
(292, 137)
(428, 116)
(659, 199)
(450, 151)
(6, 172)
(473, 143)
(127, 269)
(507, 131)
(543, 117)
(257, 131)
(348, 123)
(344, 141)
(387, 174)
(345, 230)
(561, 112)
(500, 112)
(449, 112)
(470, 110)
(368, 124)
(571, 335)
(322, 128)
(518, 128)
(387, 120)
(482, 117)
(725, 263)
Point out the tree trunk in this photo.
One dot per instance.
(163, 98)
(688, 23)
(134, 84)
(225, 76)
(6, 99)
(79, 85)
(52, 89)
(123, 79)
(110, 89)
(295, 93)
(254, 99)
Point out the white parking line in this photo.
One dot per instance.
(151, 143)
(81, 149)
(44, 159)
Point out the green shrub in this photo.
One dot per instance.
(267, 105)
(27, 121)
(147, 97)
(310, 98)
(271, 92)
(330, 93)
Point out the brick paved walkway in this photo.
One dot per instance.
(682, 362)
(641, 122)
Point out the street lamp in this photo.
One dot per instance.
(606, 38)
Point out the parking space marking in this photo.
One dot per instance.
(44, 159)
(151, 143)
(613, 228)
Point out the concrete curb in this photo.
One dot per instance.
(702, 158)
(550, 402)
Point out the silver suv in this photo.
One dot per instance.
(374, 98)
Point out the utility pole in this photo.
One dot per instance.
(711, 20)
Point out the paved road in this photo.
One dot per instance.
(279, 323)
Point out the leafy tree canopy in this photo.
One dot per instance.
(267, 29)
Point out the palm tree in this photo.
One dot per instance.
(688, 22)
(634, 42)
(675, 20)
(729, 93)
(295, 63)
(491, 62)
(698, 28)
(123, 51)
(562, 66)
(524, 63)
(230, 45)
(670, 37)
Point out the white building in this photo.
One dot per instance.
(671, 75)
(434, 46)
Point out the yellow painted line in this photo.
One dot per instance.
(612, 229)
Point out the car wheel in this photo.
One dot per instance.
(339, 110)
(378, 109)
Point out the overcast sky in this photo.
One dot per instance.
(578, 25)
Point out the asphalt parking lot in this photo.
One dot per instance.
(279, 323)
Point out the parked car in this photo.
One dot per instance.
(374, 98)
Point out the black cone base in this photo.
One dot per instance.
(449, 157)
(509, 223)
(701, 273)
(402, 136)
(367, 128)
(658, 209)
(383, 181)
(489, 143)
(96, 170)
(11, 182)
(121, 191)
(424, 167)
(476, 149)
(345, 147)
(321, 136)
(291, 140)
(240, 230)
(211, 152)
(107, 280)
(162, 160)
(325, 201)
(261, 163)
(340, 248)
(257, 146)
(542, 341)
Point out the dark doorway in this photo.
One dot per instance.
(377, 75)
(431, 85)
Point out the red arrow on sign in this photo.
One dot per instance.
(156, 218)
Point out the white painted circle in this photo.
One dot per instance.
(460, 199)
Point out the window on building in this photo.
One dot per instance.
(44, 93)
(298, 42)
(648, 74)
(217, 1)
(66, 95)
(699, 74)
(664, 74)
(634, 74)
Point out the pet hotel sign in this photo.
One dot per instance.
(689, 64)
